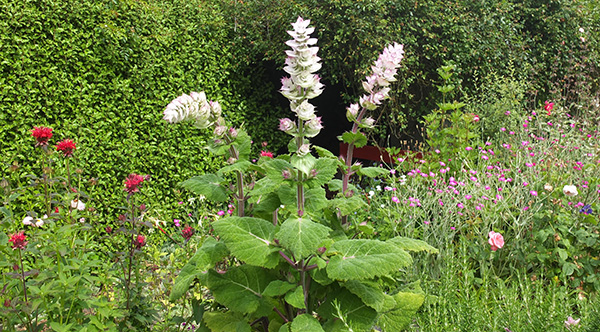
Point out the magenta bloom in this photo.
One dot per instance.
(66, 146)
(495, 240)
(139, 242)
(133, 182)
(548, 106)
(42, 135)
(533, 193)
(266, 154)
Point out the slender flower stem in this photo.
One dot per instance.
(23, 276)
(287, 259)
(131, 250)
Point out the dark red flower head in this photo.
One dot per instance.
(140, 241)
(187, 233)
(42, 135)
(18, 240)
(66, 146)
(132, 183)
(266, 154)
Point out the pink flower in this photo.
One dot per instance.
(496, 240)
(266, 154)
(571, 322)
(533, 193)
(42, 135)
(139, 242)
(221, 213)
(395, 199)
(548, 106)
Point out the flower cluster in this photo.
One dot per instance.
(187, 233)
(42, 135)
(376, 84)
(77, 204)
(302, 62)
(66, 146)
(193, 107)
(18, 240)
(139, 242)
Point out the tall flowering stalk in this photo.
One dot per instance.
(377, 87)
(303, 84)
(42, 136)
(66, 147)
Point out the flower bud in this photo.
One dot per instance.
(312, 127)
(304, 149)
(288, 126)
(305, 110)
(220, 131)
(233, 132)
(352, 112)
(286, 174)
(368, 122)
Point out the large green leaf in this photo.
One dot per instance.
(274, 170)
(206, 256)
(306, 323)
(226, 322)
(364, 259)
(243, 144)
(305, 164)
(324, 171)
(315, 199)
(278, 287)
(240, 165)
(240, 288)
(208, 185)
(372, 171)
(296, 298)
(409, 244)
(398, 318)
(302, 236)
(359, 139)
(249, 239)
(371, 295)
(357, 313)
(348, 205)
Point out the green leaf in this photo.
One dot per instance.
(306, 323)
(359, 139)
(249, 239)
(277, 288)
(322, 152)
(296, 298)
(243, 142)
(398, 318)
(315, 199)
(302, 236)
(208, 185)
(304, 163)
(371, 295)
(372, 172)
(240, 165)
(325, 171)
(206, 256)
(274, 170)
(364, 259)
(240, 288)
(348, 205)
(226, 322)
(267, 203)
(359, 315)
(409, 244)
(58, 327)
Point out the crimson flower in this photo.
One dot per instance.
(139, 242)
(548, 106)
(18, 240)
(42, 135)
(187, 233)
(66, 146)
(266, 154)
(133, 181)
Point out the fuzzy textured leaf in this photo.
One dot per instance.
(226, 322)
(306, 323)
(302, 236)
(359, 315)
(398, 318)
(240, 288)
(364, 259)
(371, 295)
(278, 287)
(208, 185)
(249, 239)
(372, 171)
(296, 298)
(412, 244)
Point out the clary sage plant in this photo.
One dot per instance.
(290, 259)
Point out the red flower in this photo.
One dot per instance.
(266, 154)
(548, 106)
(132, 183)
(66, 146)
(139, 242)
(187, 233)
(42, 135)
(18, 240)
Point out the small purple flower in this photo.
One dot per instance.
(586, 209)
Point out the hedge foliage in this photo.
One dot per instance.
(101, 71)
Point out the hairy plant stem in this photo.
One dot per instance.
(349, 153)
(300, 187)
(233, 153)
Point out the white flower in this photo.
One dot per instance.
(193, 107)
(548, 187)
(371, 194)
(571, 322)
(37, 222)
(352, 112)
(305, 111)
(304, 149)
(313, 126)
(82, 220)
(28, 221)
(570, 190)
(581, 30)
(77, 204)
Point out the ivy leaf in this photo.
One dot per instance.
(358, 139)
(208, 185)
(302, 236)
(240, 288)
(306, 322)
(364, 259)
(415, 245)
(371, 295)
(398, 318)
(249, 239)
(206, 256)
(372, 172)
(278, 288)
(226, 322)
(296, 298)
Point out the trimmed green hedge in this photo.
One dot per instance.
(100, 72)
